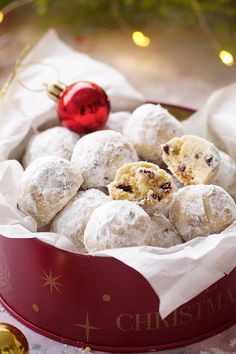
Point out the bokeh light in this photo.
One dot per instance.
(1, 16)
(140, 39)
(226, 57)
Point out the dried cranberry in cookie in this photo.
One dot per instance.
(57, 141)
(144, 183)
(150, 126)
(47, 185)
(191, 159)
(98, 155)
(115, 224)
(201, 210)
(72, 220)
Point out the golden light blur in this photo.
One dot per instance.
(140, 39)
(226, 57)
(1, 16)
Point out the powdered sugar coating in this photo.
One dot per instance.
(201, 210)
(118, 223)
(191, 159)
(72, 220)
(150, 126)
(98, 155)
(47, 185)
(163, 232)
(117, 121)
(226, 176)
(57, 141)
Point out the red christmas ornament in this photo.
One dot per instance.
(82, 107)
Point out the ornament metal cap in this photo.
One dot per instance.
(55, 89)
(12, 340)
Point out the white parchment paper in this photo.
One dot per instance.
(176, 274)
(216, 120)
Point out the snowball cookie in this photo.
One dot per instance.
(144, 183)
(98, 155)
(57, 141)
(118, 223)
(191, 159)
(150, 126)
(72, 220)
(226, 176)
(163, 232)
(47, 185)
(201, 210)
(117, 121)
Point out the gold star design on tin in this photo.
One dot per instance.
(51, 281)
(87, 326)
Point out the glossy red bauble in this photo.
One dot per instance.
(83, 107)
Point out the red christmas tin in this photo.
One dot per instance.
(102, 303)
